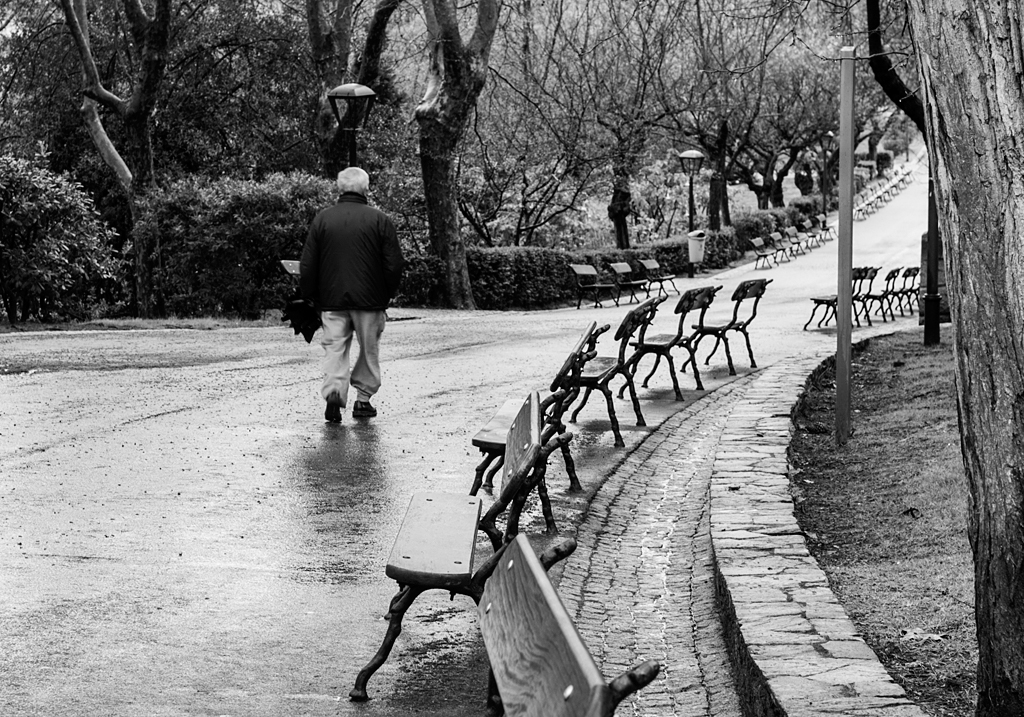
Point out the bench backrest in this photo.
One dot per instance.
(753, 289)
(540, 663)
(650, 264)
(291, 266)
(621, 267)
(583, 270)
(522, 454)
(694, 300)
(910, 277)
(522, 443)
(572, 359)
(637, 320)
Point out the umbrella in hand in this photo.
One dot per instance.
(304, 318)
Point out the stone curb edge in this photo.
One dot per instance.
(795, 651)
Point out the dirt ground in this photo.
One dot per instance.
(885, 515)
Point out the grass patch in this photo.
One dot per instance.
(886, 515)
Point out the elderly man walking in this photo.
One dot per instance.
(350, 269)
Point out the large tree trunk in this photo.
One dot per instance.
(971, 62)
(440, 188)
(456, 74)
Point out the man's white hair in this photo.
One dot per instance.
(353, 179)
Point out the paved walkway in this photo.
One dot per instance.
(696, 523)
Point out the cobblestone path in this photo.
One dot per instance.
(641, 585)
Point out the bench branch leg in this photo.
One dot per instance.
(632, 680)
(480, 469)
(401, 602)
(636, 401)
(619, 443)
(489, 478)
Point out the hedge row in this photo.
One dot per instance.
(215, 248)
(535, 278)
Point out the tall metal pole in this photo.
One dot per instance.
(844, 303)
(691, 202)
(931, 297)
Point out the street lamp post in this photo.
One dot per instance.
(359, 100)
(827, 142)
(691, 160)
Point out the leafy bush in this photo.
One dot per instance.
(54, 250)
(422, 282)
(216, 245)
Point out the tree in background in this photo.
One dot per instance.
(970, 56)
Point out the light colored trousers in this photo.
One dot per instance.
(338, 329)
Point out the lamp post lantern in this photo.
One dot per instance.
(358, 100)
(827, 144)
(692, 160)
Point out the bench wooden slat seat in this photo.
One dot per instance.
(589, 283)
(622, 274)
(654, 274)
(747, 291)
(446, 561)
(436, 543)
(539, 662)
(596, 372)
(662, 345)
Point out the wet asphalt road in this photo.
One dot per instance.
(182, 534)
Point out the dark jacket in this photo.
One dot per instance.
(352, 259)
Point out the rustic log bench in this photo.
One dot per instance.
(436, 546)
(662, 345)
(539, 663)
(490, 439)
(743, 314)
(596, 372)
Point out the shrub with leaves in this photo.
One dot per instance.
(54, 249)
(217, 245)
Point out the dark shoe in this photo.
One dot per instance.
(333, 412)
(363, 409)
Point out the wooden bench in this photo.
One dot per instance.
(785, 247)
(436, 546)
(828, 233)
(540, 665)
(662, 345)
(764, 253)
(588, 283)
(801, 242)
(653, 274)
(622, 274)
(747, 291)
(596, 372)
